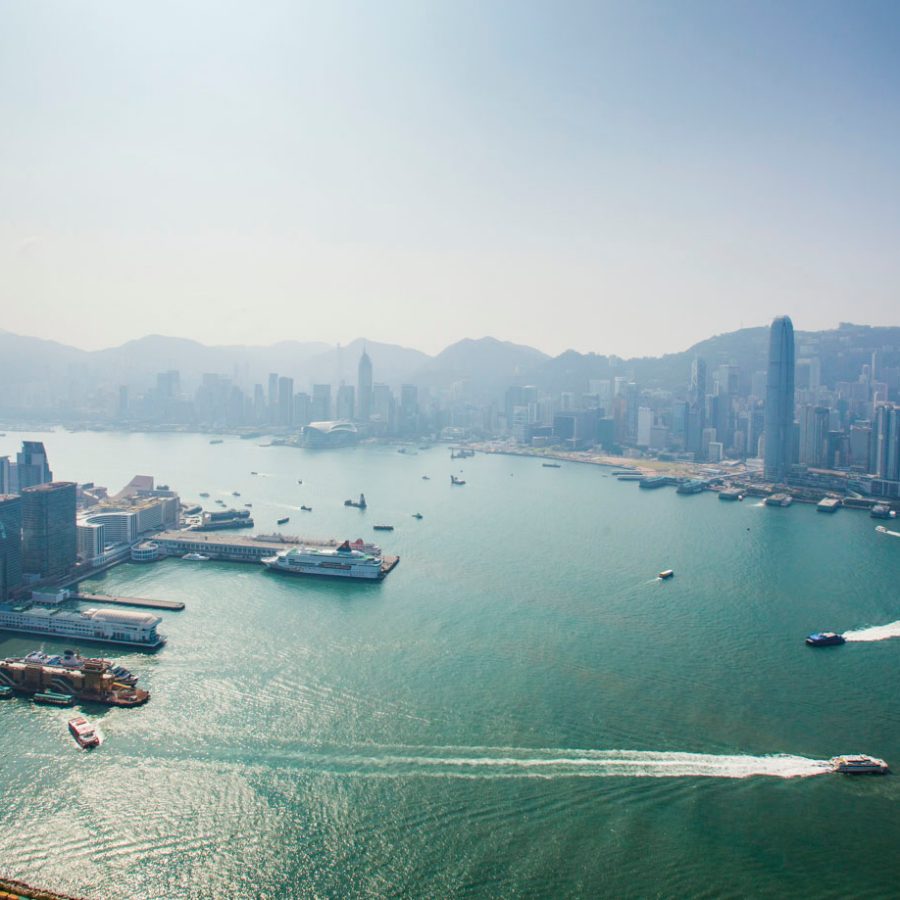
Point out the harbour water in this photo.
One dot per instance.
(520, 708)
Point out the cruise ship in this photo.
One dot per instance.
(339, 562)
(112, 626)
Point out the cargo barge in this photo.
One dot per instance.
(95, 681)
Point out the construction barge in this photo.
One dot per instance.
(94, 681)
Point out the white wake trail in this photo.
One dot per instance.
(587, 763)
(875, 633)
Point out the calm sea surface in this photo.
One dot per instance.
(520, 709)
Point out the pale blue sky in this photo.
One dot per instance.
(621, 177)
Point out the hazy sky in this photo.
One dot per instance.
(622, 177)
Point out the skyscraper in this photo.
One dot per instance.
(285, 400)
(364, 387)
(31, 467)
(10, 544)
(780, 400)
(49, 535)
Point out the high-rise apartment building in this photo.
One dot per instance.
(780, 401)
(10, 544)
(886, 442)
(49, 535)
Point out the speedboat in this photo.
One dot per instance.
(825, 639)
(426, 478)
(859, 765)
(83, 732)
(666, 573)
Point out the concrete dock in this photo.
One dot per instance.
(129, 601)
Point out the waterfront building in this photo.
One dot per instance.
(321, 402)
(49, 537)
(10, 544)
(345, 405)
(30, 468)
(886, 441)
(285, 401)
(364, 388)
(813, 435)
(302, 409)
(780, 401)
(91, 540)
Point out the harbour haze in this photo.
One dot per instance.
(449, 731)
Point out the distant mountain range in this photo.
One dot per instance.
(45, 370)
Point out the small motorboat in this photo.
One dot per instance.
(456, 481)
(299, 481)
(254, 473)
(284, 521)
(666, 573)
(859, 764)
(417, 515)
(204, 494)
(306, 508)
(825, 639)
(84, 733)
(235, 493)
(426, 478)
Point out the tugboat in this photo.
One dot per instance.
(84, 733)
(825, 639)
(284, 520)
(859, 765)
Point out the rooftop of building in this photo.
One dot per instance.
(50, 486)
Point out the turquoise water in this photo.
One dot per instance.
(521, 708)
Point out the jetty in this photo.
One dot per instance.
(143, 602)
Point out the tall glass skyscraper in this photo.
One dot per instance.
(780, 401)
(364, 387)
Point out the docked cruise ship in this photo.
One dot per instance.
(113, 626)
(332, 562)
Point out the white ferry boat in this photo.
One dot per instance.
(136, 629)
(859, 764)
(332, 562)
(196, 557)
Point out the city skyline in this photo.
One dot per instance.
(432, 172)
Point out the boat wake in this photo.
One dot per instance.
(875, 633)
(575, 763)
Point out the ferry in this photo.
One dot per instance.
(284, 520)
(339, 562)
(779, 500)
(53, 698)
(383, 527)
(825, 639)
(691, 486)
(84, 733)
(882, 511)
(666, 573)
(730, 495)
(196, 557)
(859, 764)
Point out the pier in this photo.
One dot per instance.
(129, 601)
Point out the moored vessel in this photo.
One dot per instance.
(779, 500)
(339, 562)
(196, 557)
(53, 698)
